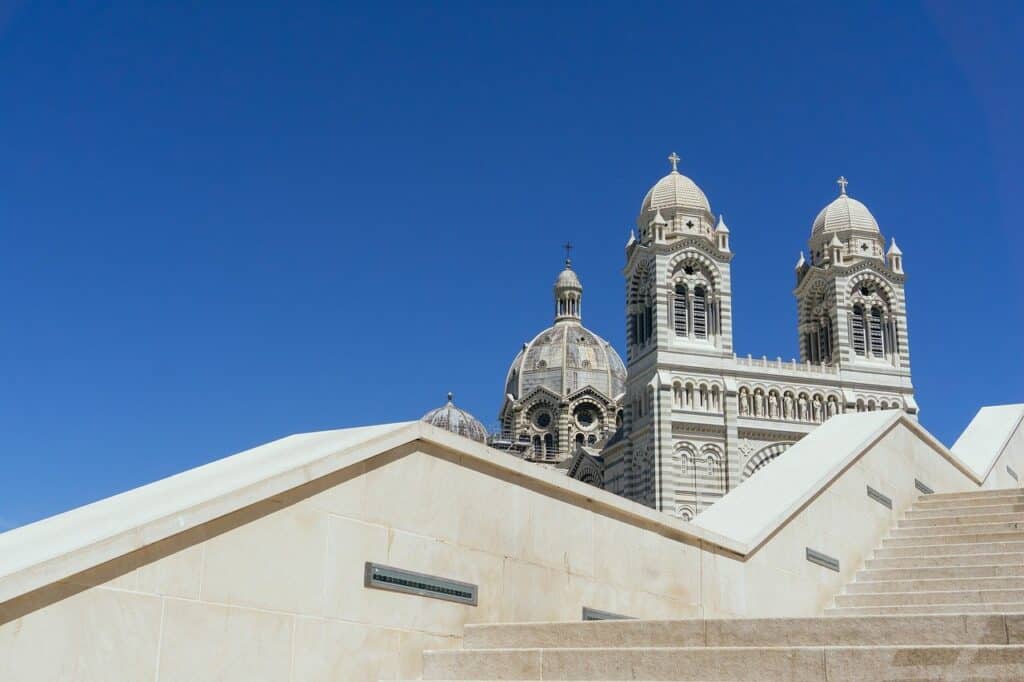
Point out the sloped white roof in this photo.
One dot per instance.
(53, 549)
(987, 435)
(800, 473)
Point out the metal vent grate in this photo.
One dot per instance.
(410, 582)
(1012, 473)
(595, 614)
(922, 487)
(823, 560)
(878, 497)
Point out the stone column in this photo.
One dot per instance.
(664, 497)
(734, 458)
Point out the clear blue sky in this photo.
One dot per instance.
(221, 225)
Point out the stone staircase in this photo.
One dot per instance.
(942, 599)
(953, 553)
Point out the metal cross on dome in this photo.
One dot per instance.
(674, 160)
(842, 182)
(568, 252)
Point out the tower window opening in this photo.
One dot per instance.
(857, 325)
(700, 313)
(877, 341)
(681, 311)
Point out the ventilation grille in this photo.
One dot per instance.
(922, 487)
(1012, 473)
(823, 560)
(879, 497)
(595, 614)
(410, 582)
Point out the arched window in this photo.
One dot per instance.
(857, 331)
(537, 449)
(877, 340)
(579, 439)
(681, 311)
(700, 313)
(549, 445)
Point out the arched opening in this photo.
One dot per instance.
(681, 311)
(700, 313)
(857, 331)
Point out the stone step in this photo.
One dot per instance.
(961, 520)
(930, 598)
(905, 557)
(919, 513)
(927, 505)
(925, 570)
(972, 495)
(739, 663)
(865, 631)
(956, 529)
(933, 609)
(934, 585)
(966, 539)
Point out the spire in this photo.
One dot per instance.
(659, 219)
(895, 256)
(720, 227)
(800, 263)
(842, 182)
(632, 238)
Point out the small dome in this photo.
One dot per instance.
(567, 279)
(843, 214)
(674, 192)
(451, 418)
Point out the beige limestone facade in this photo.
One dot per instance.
(252, 567)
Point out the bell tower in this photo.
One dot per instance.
(851, 303)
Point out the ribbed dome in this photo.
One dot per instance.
(567, 279)
(565, 358)
(673, 192)
(458, 421)
(845, 213)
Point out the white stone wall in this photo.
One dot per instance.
(276, 592)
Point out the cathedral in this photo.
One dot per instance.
(686, 419)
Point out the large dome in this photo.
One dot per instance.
(842, 215)
(672, 193)
(565, 358)
(458, 421)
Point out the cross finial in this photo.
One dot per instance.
(842, 182)
(674, 160)
(568, 252)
